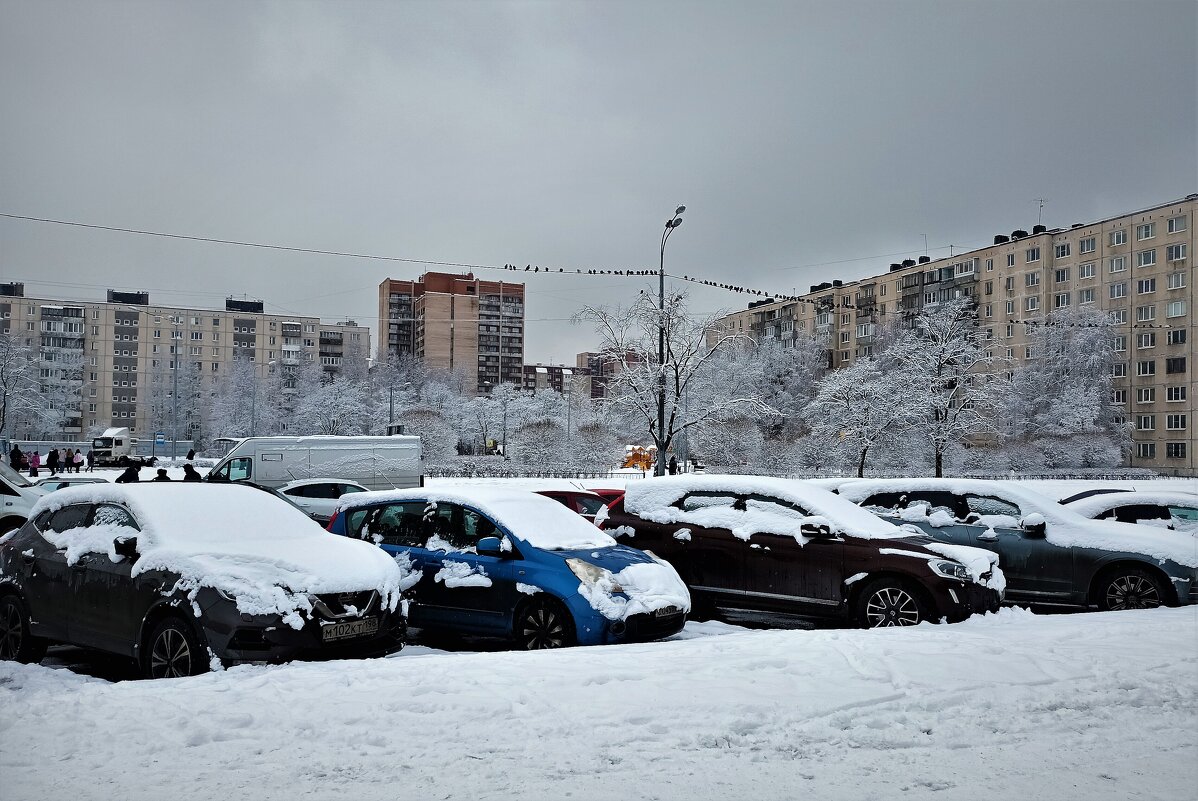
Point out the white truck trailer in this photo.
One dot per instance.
(376, 463)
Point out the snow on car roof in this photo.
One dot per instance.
(1096, 504)
(240, 540)
(1067, 528)
(656, 494)
(540, 521)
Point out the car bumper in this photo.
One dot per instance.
(960, 601)
(254, 638)
(645, 627)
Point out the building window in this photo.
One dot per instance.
(1086, 270)
(1175, 394)
(1145, 314)
(1175, 252)
(1086, 245)
(1031, 279)
(1118, 264)
(1147, 367)
(1145, 286)
(1146, 422)
(1119, 316)
(1146, 395)
(1119, 237)
(1033, 303)
(1146, 258)
(1175, 450)
(1061, 250)
(1060, 300)
(1010, 307)
(1119, 370)
(989, 310)
(1146, 450)
(1085, 296)
(989, 265)
(1032, 254)
(1176, 308)
(1176, 225)
(989, 288)
(1145, 231)
(1010, 259)
(844, 337)
(1060, 276)
(1175, 422)
(1176, 365)
(1147, 340)
(1177, 280)
(1119, 290)
(1120, 342)
(1176, 337)
(1119, 397)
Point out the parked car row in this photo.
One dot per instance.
(182, 576)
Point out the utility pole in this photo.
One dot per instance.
(1040, 214)
(659, 468)
(176, 321)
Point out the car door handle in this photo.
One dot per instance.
(988, 537)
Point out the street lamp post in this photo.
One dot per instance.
(672, 223)
(176, 322)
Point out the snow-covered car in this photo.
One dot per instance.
(1050, 553)
(18, 496)
(775, 545)
(1159, 508)
(184, 577)
(318, 496)
(52, 483)
(511, 563)
(583, 502)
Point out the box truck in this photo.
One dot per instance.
(374, 462)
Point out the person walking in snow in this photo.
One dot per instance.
(191, 455)
(129, 476)
(52, 461)
(190, 473)
(77, 460)
(14, 458)
(91, 461)
(35, 461)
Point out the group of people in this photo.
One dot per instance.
(132, 474)
(70, 461)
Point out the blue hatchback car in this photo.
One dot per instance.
(510, 563)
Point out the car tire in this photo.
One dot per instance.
(16, 643)
(172, 651)
(1129, 588)
(890, 602)
(543, 623)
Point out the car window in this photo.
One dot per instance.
(326, 491)
(110, 515)
(985, 505)
(69, 517)
(589, 505)
(241, 469)
(564, 500)
(1133, 513)
(476, 526)
(393, 524)
(348, 488)
(705, 500)
(1184, 512)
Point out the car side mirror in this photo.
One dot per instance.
(126, 547)
(817, 532)
(491, 546)
(1033, 526)
(972, 518)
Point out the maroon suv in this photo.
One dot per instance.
(775, 545)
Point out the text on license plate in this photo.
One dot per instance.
(665, 611)
(349, 628)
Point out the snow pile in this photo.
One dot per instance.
(461, 574)
(541, 522)
(982, 565)
(654, 499)
(241, 541)
(637, 589)
(1005, 706)
(1063, 527)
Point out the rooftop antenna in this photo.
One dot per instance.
(1040, 214)
(925, 244)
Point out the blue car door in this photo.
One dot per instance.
(400, 529)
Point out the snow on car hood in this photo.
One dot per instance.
(1064, 527)
(653, 499)
(1097, 504)
(539, 521)
(244, 542)
(632, 582)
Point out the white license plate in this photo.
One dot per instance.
(665, 611)
(330, 632)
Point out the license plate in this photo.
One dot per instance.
(330, 632)
(665, 611)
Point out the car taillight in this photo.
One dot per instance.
(333, 520)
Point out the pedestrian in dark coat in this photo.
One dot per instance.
(91, 461)
(162, 476)
(190, 473)
(191, 454)
(129, 476)
(15, 458)
(673, 465)
(52, 461)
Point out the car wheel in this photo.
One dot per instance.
(172, 651)
(1130, 588)
(543, 623)
(16, 643)
(888, 602)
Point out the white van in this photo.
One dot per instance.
(17, 497)
(374, 462)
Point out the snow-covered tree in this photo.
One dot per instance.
(438, 435)
(20, 392)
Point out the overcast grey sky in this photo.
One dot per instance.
(797, 134)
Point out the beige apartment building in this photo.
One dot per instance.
(456, 323)
(112, 359)
(1138, 267)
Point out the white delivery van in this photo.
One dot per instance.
(374, 462)
(17, 497)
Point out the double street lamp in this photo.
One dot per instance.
(672, 223)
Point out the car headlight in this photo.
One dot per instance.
(953, 570)
(592, 574)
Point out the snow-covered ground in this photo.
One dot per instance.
(1011, 705)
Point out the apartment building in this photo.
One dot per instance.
(111, 362)
(456, 323)
(1138, 267)
(558, 378)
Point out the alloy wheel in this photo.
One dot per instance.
(891, 606)
(170, 657)
(541, 628)
(11, 631)
(1132, 592)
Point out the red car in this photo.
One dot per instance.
(585, 502)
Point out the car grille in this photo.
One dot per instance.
(345, 604)
(649, 627)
